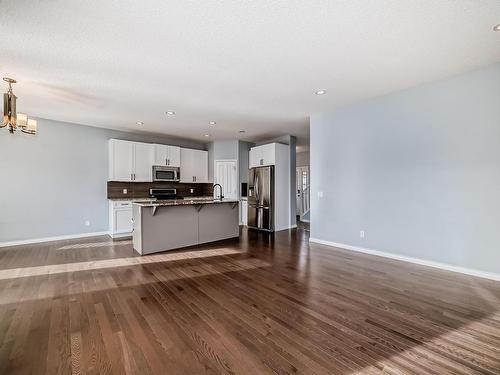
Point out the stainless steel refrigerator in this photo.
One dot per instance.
(261, 198)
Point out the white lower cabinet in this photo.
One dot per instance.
(120, 218)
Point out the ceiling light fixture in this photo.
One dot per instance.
(496, 28)
(320, 92)
(207, 135)
(140, 123)
(212, 123)
(241, 131)
(11, 118)
(170, 113)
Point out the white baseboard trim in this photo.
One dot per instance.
(48, 239)
(120, 235)
(423, 262)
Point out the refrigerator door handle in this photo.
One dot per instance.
(256, 187)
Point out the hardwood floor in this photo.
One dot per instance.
(263, 304)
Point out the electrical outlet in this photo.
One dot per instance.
(87, 223)
(125, 191)
(191, 191)
(320, 194)
(361, 234)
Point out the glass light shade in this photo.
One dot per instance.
(30, 127)
(22, 120)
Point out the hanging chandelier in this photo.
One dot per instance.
(11, 118)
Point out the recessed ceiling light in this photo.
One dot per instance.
(207, 135)
(170, 113)
(320, 92)
(496, 28)
(212, 123)
(139, 123)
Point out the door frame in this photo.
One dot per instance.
(238, 187)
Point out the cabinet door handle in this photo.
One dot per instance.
(131, 176)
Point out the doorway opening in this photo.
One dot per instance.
(303, 189)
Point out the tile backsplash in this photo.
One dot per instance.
(141, 189)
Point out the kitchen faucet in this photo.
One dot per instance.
(221, 195)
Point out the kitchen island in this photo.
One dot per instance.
(172, 224)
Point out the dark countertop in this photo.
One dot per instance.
(184, 202)
(130, 199)
(147, 199)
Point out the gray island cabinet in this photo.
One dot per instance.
(180, 223)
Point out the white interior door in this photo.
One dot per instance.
(226, 174)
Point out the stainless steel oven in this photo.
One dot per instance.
(161, 173)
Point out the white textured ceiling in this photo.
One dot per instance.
(249, 65)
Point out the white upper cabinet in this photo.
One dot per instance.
(160, 155)
(194, 165)
(262, 155)
(133, 161)
(202, 168)
(174, 156)
(130, 161)
(143, 162)
(121, 160)
(169, 156)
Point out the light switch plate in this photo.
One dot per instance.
(320, 194)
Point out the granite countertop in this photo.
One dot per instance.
(147, 199)
(184, 202)
(131, 199)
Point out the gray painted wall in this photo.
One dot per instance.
(221, 150)
(418, 171)
(303, 159)
(54, 181)
(243, 159)
(226, 149)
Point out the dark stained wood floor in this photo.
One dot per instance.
(259, 305)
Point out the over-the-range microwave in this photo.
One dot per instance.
(161, 173)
